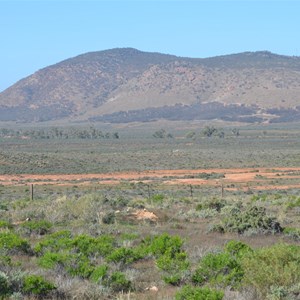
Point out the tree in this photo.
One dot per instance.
(209, 131)
(116, 135)
(235, 131)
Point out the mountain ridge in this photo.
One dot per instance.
(101, 85)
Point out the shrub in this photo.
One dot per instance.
(38, 227)
(292, 232)
(37, 285)
(55, 242)
(214, 203)
(219, 269)
(79, 265)
(109, 218)
(74, 264)
(90, 246)
(5, 224)
(174, 266)
(277, 265)
(5, 260)
(195, 293)
(4, 285)
(99, 273)
(163, 243)
(293, 202)
(157, 198)
(12, 242)
(236, 248)
(124, 255)
(4, 207)
(50, 260)
(251, 218)
(117, 282)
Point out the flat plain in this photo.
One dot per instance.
(114, 218)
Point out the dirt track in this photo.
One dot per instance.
(258, 178)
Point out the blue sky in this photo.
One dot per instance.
(35, 34)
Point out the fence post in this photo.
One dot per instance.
(222, 190)
(31, 192)
(191, 191)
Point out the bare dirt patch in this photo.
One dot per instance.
(258, 178)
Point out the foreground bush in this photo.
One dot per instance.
(219, 269)
(269, 267)
(170, 258)
(224, 268)
(13, 243)
(163, 243)
(37, 285)
(195, 293)
(4, 285)
(118, 282)
(74, 264)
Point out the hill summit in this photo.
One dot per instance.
(125, 85)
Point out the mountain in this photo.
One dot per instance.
(125, 84)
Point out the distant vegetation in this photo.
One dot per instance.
(58, 133)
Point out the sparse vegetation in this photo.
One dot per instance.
(115, 237)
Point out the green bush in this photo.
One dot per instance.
(90, 246)
(117, 282)
(236, 248)
(278, 265)
(13, 243)
(38, 227)
(37, 285)
(170, 258)
(163, 243)
(51, 259)
(74, 264)
(79, 265)
(5, 260)
(214, 203)
(157, 199)
(251, 218)
(55, 242)
(195, 293)
(4, 285)
(5, 224)
(220, 269)
(174, 266)
(4, 206)
(124, 255)
(261, 198)
(99, 273)
(292, 202)
(292, 232)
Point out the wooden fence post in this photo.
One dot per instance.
(31, 192)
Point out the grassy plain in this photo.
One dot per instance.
(165, 231)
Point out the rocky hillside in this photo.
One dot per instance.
(124, 85)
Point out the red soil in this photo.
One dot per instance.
(259, 178)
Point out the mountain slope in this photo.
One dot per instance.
(122, 85)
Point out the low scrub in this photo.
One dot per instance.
(37, 227)
(196, 293)
(273, 266)
(37, 285)
(13, 243)
(224, 268)
(252, 218)
(118, 282)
